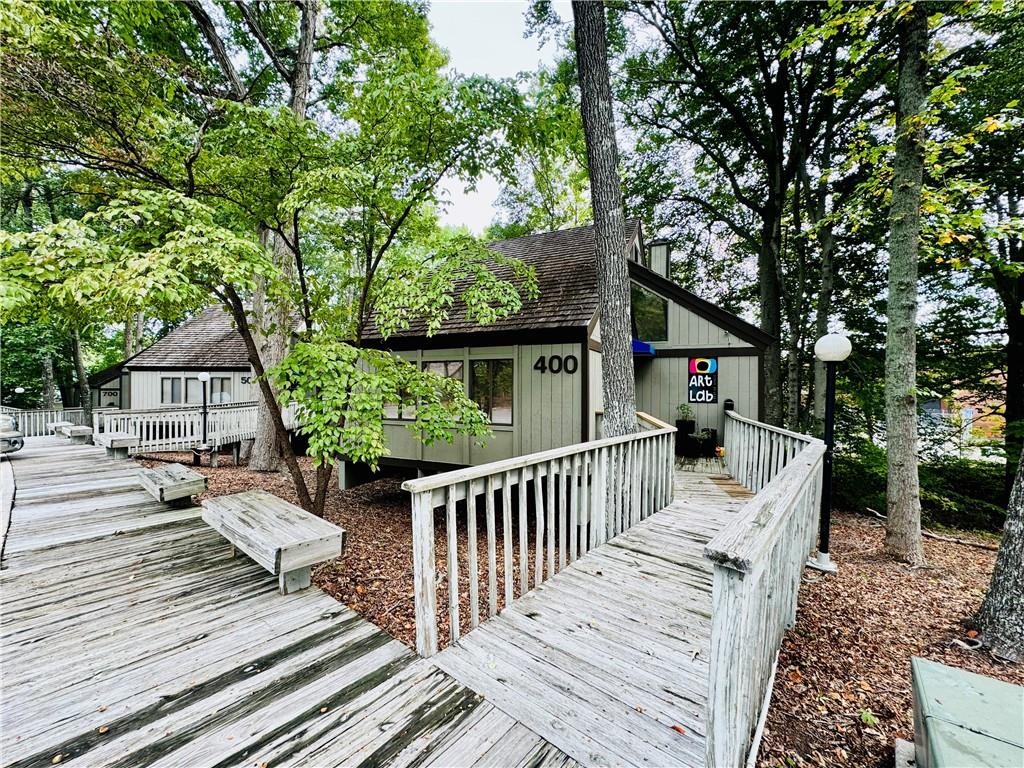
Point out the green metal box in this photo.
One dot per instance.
(964, 720)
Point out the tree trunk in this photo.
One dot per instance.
(272, 334)
(618, 383)
(49, 401)
(129, 338)
(1001, 616)
(81, 375)
(903, 529)
(140, 330)
(771, 311)
(274, 324)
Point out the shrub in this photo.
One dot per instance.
(957, 493)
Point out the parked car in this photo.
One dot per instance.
(11, 439)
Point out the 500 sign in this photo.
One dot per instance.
(557, 364)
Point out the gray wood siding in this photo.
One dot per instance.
(688, 329)
(145, 387)
(661, 388)
(546, 407)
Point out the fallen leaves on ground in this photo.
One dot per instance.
(842, 694)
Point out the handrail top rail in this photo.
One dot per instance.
(735, 546)
(179, 409)
(777, 430)
(443, 479)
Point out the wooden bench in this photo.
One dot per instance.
(283, 538)
(77, 434)
(54, 427)
(173, 483)
(116, 443)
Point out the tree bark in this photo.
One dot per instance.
(771, 314)
(82, 376)
(617, 380)
(49, 401)
(1000, 619)
(903, 528)
(129, 338)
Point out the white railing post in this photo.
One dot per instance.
(424, 576)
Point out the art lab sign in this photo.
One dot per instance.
(703, 380)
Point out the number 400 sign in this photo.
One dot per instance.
(702, 381)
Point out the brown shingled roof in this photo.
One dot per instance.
(566, 269)
(208, 340)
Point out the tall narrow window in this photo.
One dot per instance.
(492, 389)
(193, 391)
(220, 389)
(170, 390)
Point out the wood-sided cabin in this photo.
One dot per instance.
(538, 373)
(165, 374)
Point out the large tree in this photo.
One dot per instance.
(169, 142)
(618, 383)
(1001, 616)
(903, 492)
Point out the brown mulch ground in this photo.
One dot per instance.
(842, 692)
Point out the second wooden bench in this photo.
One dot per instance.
(283, 538)
(173, 483)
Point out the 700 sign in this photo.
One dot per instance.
(557, 364)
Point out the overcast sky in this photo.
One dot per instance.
(485, 37)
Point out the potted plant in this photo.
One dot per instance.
(684, 427)
(708, 439)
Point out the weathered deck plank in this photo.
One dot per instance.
(608, 659)
(130, 637)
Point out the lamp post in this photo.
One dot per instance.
(204, 377)
(830, 349)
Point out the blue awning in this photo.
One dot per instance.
(642, 348)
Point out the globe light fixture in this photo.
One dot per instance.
(19, 390)
(831, 349)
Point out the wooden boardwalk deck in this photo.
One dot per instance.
(129, 637)
(609, 659)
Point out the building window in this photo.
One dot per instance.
(650, 315)
(491, 389)
(193, 391)
(220, 389)
(451, 369)
(170, 390)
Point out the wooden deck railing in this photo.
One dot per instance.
(175, 429)
(581, 496)
(758, 561)
(32, 423)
